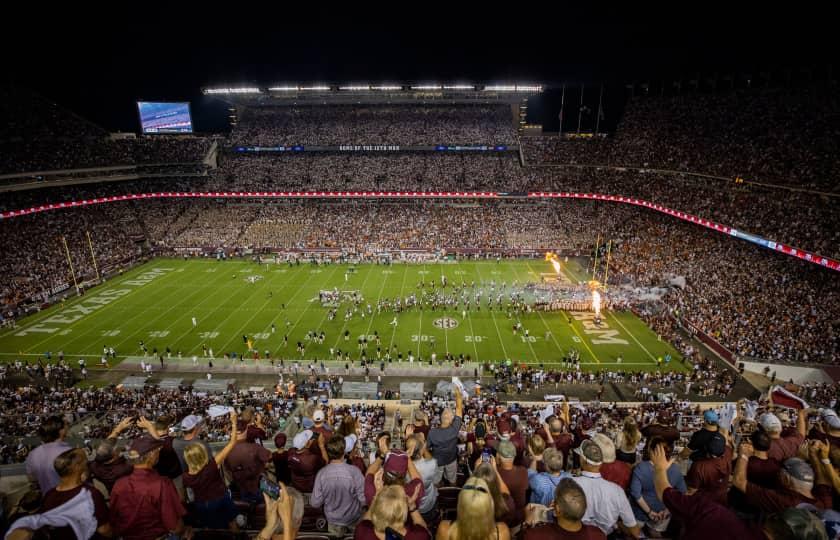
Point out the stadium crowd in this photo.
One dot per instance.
(404, 125)
(566, 470)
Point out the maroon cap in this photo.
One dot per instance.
(241, 426)
(280, 440)
(503, 426)
(145, 444)
(396, 463)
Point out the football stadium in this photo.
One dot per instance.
(307, 306)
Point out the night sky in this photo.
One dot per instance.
(99, 63)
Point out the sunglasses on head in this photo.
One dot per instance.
(476, 488)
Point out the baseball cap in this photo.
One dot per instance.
(144, 444)
(241, 426)
(396, 463)
(280, 440)
(318, 416)
(830, 417)
(308, 423)
(190, 422)
(799, 469)
(506, 450)
(607, 447)
(711, 417)
(716, 445)
(301, 439)
(770, 422)
(591, 452)
(349, 442)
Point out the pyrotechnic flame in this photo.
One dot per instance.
(596, 303)
(552, 258)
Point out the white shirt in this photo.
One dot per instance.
(606, 503)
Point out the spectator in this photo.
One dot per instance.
(698, 445)
(569, 508)
(72, 469)
(340, 489)
(647, 507)
(783, 445)
(617, 472)
(144, 504)
(710, 471)
(306, 459)
(627, 441)
(246, 463)
(475, 504)
(284, 515)
(515, 477)
(607, 506)
(503, 504)
(426, 467)
(389, 513)
(191, 427)
(543, 484)
(443, 441)
(39, 462)
(395, 466)
(109, 464)
(212, 502)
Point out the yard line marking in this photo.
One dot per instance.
(632, 336)
(493, 316)
(548, 328)
(402, 286)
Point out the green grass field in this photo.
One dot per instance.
(231, 299)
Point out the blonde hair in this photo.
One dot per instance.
(485, 472)
(536, 444)
(630, 435)
(389, 509)
(475, 504)
(195, 457)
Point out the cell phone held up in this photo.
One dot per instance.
(269, 488)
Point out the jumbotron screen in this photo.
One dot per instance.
(157, 117)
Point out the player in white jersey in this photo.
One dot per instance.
(394, 322)
(195, 323)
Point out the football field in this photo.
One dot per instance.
(236, 303)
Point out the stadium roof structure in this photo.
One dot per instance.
(354, 94)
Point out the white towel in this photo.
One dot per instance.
(76, 513)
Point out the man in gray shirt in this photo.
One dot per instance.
(191, 427)
(443, 441)
(340, 489)
(39, 462)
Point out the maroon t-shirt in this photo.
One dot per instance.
(564, 442)
(777, 500)
(208, 484)
(303, 467)
(254, 433)
(370, 488)
(145, 505)
(617, 472)
(109, 473)
(553, 531)
(424, 429)
(365, 531)
(711, 476)
(246, 463)
(703, 518)
(516, 480)
(785, 447)
(55, 498)
(763, 472)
